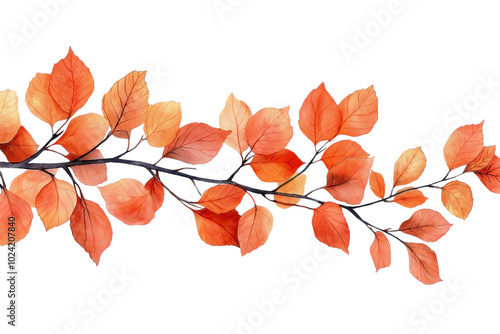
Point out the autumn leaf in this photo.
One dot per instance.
(463, 145)
(482, 160)
(347, 180)
(426, 224)
(91, 228)
(222, 198)
(21, 147)
(423, 263)
(13, 206)
(295, 187)
(91, 175)
(409, 197)
(28, 185)
(126, 104)
(269, 130)
(129, 201)
(55, 203)
(380, 251)
(217, 229)
(490, 175)
(330, 226)
(409, 166)
(341, 150)
(234, 117)
(319, 116)
(359, 112)
(9, 116)
(457, 198)
(254, 228)
(71, 83)
(277, 167)
(196, 143)
(162, 123)
(377, 184)
(41, 103)
(157, 192)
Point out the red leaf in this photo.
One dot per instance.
(157, 192)
(217, 229)
(14, 206)
(277, 167)
(222, 198)
(482, 160)
(359, 112)
(426, 224)
(21, 147)
(490, 175)
(330, 226)
(254, 228)
(423, 263)
(341, 150)
(380, 251)
(463, 145)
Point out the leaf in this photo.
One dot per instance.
(296, 186)
(162, 123)
(330, 226)
(482, 160)
(21, 147)
(423, 263)
(14, 206)
(463, 145)
(28, 185)
(377, 184)
(426, 224)
(490, 175)
(157, 192)
(9, 116)
(41, 103)
(319, 116)
(277, 167)
(359, 112)
(93, 174)
(269, 130)
(71, 83)
(55, 203)
(409, 166)
(341, 150)
(380, 251)
(91, 228)
(347, 180)
(83, 134)
(217, 229)
(196, 143)
(129, 201)
(126, 104)
(222, 198)
(457, 198)
(234, 117)
(409, 198)
(254, 228)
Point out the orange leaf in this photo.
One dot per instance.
(296, 186)
(91, 228)
(91, 175)
(409, 198)
(55, 203)
(234, 117)
(380, 251)
(319, 116)
(341, 150)
(377, 184)
(162, 123)
(359, 112)
(217, 229)
(490, 175)
(9, 116)
(196, 143)
(21, 147)
(463, 145)
(409, 166)
(347, 180)
(126, 104)
(277, 167)
(269, 130)
(426, 224)
(423, 263)
(41, 103)
(83, 134)
(13, 206)
(129, 201)
(157, 192)
(254, 228)
(482, 160)
(457, 198)
(71, 83)
(28, 185)
(222, 198)
(330, 226)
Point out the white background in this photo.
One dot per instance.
(426, 61)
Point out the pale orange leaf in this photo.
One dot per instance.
(91, 174)
(9, 116)
(294, 187)
(463, 145)
(359, 112)
(55, 203)
(28, 184)
(41, 103)
(409, 166)
(222, 198)
(380, 251)
(234, 117)
(457, 198)
(162, 123)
